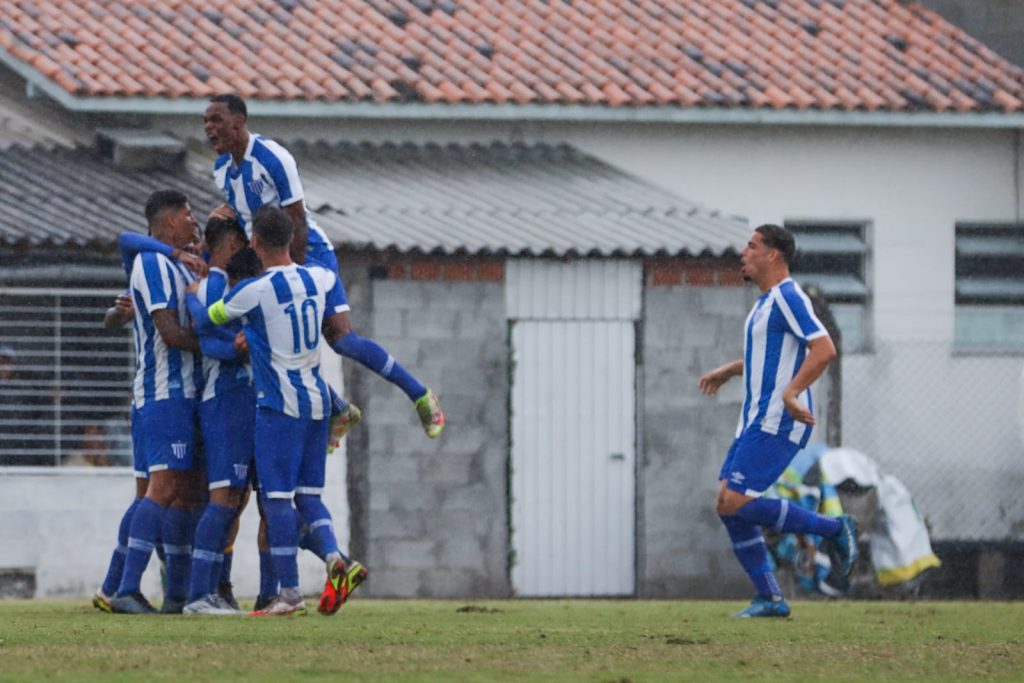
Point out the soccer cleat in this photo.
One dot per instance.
(429, 410)
(133, 603)
(225, 591)
(172, 606)
(844, 545)
(210, 605)
(341, 424)
(762, 607)
(341, 581)
(281, 606)
(101, 601)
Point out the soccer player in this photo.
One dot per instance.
(285, 310)
(164, 391)
(226, 417)
(785, 350)
(253, 171)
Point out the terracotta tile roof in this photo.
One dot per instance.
(802, 54)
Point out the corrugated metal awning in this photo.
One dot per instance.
(477, 199)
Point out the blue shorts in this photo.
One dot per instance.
(138, 457)
(291, 454)
(756, 460)
(228, 423)
(322, 255)
(165, 431)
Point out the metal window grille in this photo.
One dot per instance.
(834, 256)
(989, 286)
(65, 397)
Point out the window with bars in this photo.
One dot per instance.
(834, 257)
(989, 286)
(64, 380)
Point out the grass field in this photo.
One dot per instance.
(615, 641)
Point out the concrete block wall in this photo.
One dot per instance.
(430, 518)
(692, 324)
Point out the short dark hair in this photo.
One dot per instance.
(778, 237)
(236, 105)
(162, 200)
(218, 229)
(244, 265)
(273, 226)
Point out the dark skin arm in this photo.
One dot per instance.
(300, 238)
(173, 334)
(336, 326)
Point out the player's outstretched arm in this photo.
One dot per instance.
(131, 244)
(711, 382)
(172, 332)
(820, 352)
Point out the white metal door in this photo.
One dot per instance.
(573, 457)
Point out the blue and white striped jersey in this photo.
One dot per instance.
(775, 343)
(221, 376)
(161, 372)
(283, 311)
(267, 175)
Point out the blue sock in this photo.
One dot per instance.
(268, 577)
(177, 541)
(338, 404)
(786, 517)
(209, 543)
(116, 568)
(320, 528)
(751, 551)
(143, 533)
(372, 355)
(283, 538)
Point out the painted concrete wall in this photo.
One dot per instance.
(434, 514)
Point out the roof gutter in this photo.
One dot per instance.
(558, 113)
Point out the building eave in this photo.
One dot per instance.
(555, 113)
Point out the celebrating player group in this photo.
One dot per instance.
(228, 395)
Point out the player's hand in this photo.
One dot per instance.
(241, 344)
(223, 211)
(125, 307)
(796, 409)
(194, 263)
(711, 382)
(193, 287)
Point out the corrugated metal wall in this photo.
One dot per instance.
(573, 456)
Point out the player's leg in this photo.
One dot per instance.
(115, 570)
(268, 577)
(227, 424)
(746, 538)
(773, 454)
(165, 431)
(343, 574)
(373, 356)
(278, 447)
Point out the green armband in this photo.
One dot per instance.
(218, 313)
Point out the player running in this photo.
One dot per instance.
(786, 348)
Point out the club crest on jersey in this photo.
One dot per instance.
(256, 187)
(241, 471)
(179, 449)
